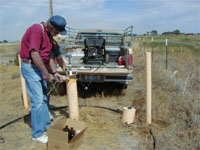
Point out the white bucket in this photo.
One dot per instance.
(128, 116)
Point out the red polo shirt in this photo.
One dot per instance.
(35, 38)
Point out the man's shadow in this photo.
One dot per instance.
(27, 119)
(87, 90)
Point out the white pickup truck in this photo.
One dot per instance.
(102, 56)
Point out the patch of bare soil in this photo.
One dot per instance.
(104, 127)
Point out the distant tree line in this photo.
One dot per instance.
(4, 41)
(175, 32)
(153, 32)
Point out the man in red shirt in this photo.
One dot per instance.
(37, 48)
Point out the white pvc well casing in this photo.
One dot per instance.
(128, 115)
(72, 95)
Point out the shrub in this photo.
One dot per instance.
(16, 59)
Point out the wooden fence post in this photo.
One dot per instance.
(51, 8)
(23, 84)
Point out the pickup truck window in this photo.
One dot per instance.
(111, 38)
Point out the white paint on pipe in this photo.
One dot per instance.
(166, 42)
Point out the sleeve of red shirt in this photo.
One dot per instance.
(35, 37)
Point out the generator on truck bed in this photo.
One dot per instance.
(102, 56)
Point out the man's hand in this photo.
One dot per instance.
(38, 62)
(47, 77)
(58, 77)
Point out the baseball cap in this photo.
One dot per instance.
(59, 23)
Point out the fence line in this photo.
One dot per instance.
(146, 43)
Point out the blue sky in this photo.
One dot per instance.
(145, 15)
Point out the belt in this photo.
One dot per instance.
(28, 61)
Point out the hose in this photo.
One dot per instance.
(57, 108)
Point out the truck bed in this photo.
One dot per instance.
(98, 71)
(95, 72)
(78, 67)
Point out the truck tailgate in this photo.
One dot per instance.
(98, 71)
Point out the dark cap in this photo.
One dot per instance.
(59, 23)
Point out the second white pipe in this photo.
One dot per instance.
(148, 87)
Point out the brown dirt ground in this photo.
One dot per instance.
(175, 108)
(105, 130)
(104, 127)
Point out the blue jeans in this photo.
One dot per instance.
(37, 90)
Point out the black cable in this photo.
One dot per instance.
(57, 108)
(15, 120)
(86, 87)
(154, 139)
(114, 110)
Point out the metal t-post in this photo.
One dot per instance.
(152, 48)
(166, 52)
(144, 46)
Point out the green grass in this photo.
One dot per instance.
(9, 50)
(191, 42)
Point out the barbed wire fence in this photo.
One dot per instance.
(177, 68)
(167, 47)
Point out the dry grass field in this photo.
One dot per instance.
(176, 98)
(175, 103)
